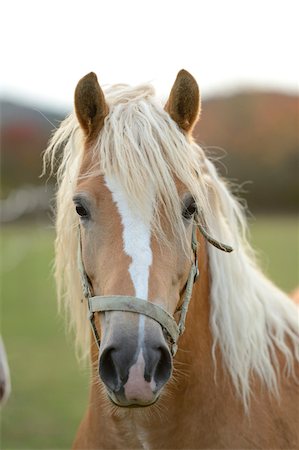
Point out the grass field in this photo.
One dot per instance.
(49, 389)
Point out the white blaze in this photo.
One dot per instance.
(137, 245)
(136, 237)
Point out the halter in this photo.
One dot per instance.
(123, 303)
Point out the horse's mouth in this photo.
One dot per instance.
(122, 402)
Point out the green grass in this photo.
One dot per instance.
(49, 389)
(276, 240)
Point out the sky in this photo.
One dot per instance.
(47, 46)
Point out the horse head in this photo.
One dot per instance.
(129, 247)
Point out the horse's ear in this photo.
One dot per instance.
(183, 104)
(90, 105)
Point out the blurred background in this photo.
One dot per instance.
(243, 55)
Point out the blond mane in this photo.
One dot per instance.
(250, 318)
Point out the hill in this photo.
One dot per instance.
(255, 134)
(25, 132)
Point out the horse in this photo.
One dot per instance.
(190, 345)
(5, 383)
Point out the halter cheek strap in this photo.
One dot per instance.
(140, 306)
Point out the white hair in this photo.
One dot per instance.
(250, 318)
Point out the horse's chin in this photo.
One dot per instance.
(124, 403)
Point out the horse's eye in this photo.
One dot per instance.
(81, 211)
(189, 208)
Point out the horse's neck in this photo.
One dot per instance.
(194, 368)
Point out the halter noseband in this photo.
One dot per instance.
(137, 305)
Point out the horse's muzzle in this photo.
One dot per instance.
(135, 377)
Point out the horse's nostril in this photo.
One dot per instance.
(159, 366)
(107, 369)
(163, 368)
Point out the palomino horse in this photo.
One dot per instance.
(5, 386)
(179, 361)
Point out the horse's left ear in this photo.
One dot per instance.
(90, 105)
(183, 104)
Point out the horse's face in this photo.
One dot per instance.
(122, 256)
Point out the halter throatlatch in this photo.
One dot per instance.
(140, 306)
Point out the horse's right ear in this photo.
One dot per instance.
(90, 105)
